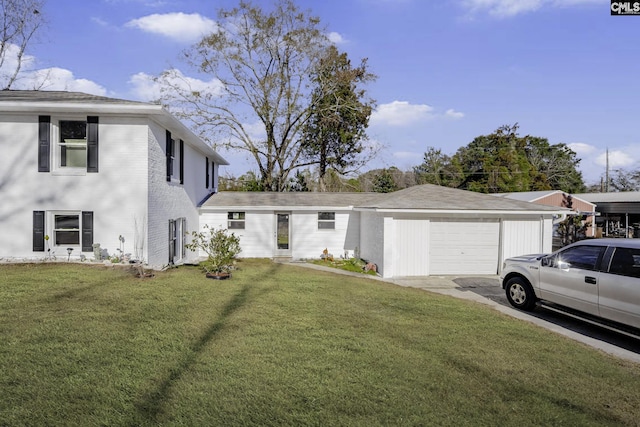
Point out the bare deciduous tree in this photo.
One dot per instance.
(263, 62)
(20, 21)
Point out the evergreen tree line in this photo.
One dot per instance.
(501, 162)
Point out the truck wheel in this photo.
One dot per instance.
(520, 294)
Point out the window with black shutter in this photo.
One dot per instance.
(206, 183)
(172, 240)
(92, 144)
(38, 231)
(87, 231)
(181, 162)
(170, 154)
(44, 143)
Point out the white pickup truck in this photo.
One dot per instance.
(598, 277)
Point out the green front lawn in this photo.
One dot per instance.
(284, 345)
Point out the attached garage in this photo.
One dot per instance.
(432, 230)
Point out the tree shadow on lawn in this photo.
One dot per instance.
(152, 403)
(150, 406)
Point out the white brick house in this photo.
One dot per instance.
(85, 170)
(78, 170)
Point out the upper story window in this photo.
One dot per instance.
(326, 220)
(175, 159)
(235, 220)
(72, 144)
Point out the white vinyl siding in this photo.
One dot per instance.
(307, 241)
(257, 239)
(411, 257)
(464, 246)
(521, 237)
(372, 238)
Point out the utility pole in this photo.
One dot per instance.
(606, 185)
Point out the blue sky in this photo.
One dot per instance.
(448, 70)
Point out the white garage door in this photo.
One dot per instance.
(464, 246)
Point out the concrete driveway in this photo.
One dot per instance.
(487, 290)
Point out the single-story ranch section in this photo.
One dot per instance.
(422, 230)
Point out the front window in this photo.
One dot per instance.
(66, 229)
(583, 257)
(235, 220)
(326, 220)
(72, 144)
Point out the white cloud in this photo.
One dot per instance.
(617, 159)
(53, 78)
(256, 130)
(402, 113)
(99, 21)
(10, 60)
(336, 38)
(454, 114)
(177, 26)
(593, 160)
(145, 88)
(507, 8)
(582, 149)
(61, 79)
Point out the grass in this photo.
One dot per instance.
(283, 345)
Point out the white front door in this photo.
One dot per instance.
(283, 234)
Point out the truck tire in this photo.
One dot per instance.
(520, 294)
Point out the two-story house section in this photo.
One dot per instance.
(77, 170)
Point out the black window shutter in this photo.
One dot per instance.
(44, 143)
(206, 182)
(87, 231)
(213, 175)
(92, 144)
(181, 162)
(169, 155)
(184, 232)
(172, 240)
(38, 231)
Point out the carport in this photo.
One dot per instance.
(619, 213)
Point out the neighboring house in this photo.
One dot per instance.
(619, 213)
(579, 205)
(84, 170)
(422, 230)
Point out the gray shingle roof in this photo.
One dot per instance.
(527, 196)
(293, 199)
(421, 197)
(60, 96)
(435, 197)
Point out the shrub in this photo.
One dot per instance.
(220, 246)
